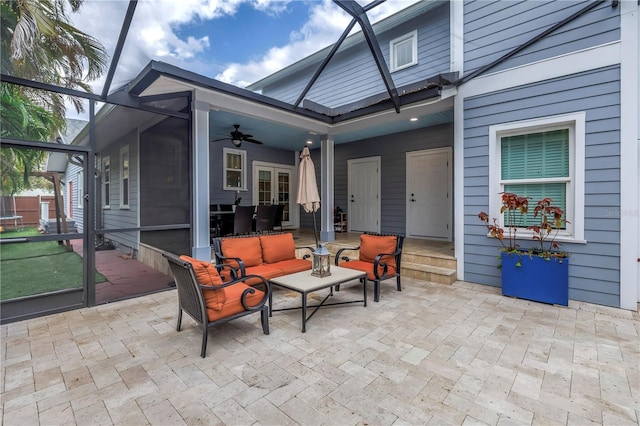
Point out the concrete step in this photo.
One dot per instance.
(430, 273)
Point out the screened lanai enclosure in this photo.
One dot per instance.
(112, 213)
(143, 171)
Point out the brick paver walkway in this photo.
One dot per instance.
(431, 354)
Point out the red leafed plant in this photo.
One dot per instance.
(551, 220)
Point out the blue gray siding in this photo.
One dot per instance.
(594, 267)
(352, 74)
(116, 217)
(392, 149)
(494, 28)
(254, 153)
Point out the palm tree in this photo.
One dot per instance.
(38, 43)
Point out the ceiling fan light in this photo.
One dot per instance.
(236, 142)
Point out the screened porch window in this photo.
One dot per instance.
(536, 165)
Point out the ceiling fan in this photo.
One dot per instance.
(237, 137)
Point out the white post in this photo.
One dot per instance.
(200, 177)
(327, 232)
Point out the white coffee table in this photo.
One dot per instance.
(305, 283)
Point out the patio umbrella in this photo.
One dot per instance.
(308, 196)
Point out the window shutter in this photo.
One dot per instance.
(536, 155)
(536, 192)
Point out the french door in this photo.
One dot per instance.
(274, 184)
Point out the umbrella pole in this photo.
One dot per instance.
(315, 233)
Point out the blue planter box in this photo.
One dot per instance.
(536, 279)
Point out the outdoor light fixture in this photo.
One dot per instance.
(321, 264)
(413, 119)
(309, 142)
(236, 141)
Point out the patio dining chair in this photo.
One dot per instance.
(265, 217)
(379, 256)
(243, 220)
(209, 301)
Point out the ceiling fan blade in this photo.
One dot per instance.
(222, 139)
(252, 141)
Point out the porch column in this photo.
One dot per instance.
(327, 170)
(201, 248)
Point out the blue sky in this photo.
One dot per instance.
(235, 41)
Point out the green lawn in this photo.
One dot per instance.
(40, 267)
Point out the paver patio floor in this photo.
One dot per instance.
(431, 354)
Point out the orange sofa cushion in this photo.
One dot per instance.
(248, 249)
(276, 248)
(266, 271)
(367, 267)
(233, 306)
(207, 274)
(292, 266)
(373, 245)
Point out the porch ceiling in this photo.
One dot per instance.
(278, 135)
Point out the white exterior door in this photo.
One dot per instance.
(364, 195)
(274, 184)
(429, 197)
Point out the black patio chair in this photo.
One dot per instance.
(243, 220)
(265, 217)
(379, 256)
(279, 216)
(216, 302)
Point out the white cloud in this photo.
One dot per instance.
(325, 24)
(159, 31)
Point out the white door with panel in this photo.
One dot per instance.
(429, 194)
(274, 184)
(364, 195)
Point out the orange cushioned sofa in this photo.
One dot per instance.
(270, 256)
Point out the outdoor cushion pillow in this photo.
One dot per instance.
(276, 248)
(373, 245)
(248, 249)
(367, 267)
(234, 305)
(207, 274)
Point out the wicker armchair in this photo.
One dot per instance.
(379, 257)
(209, 301)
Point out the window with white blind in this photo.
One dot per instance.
(404, 51)
(234, 169)
(106, 182)
(80, 189)
(537, 159)
(124, 177)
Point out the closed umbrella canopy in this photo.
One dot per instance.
(308, 196)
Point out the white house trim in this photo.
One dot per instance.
(200, 180)
(456, 36)
(575, 197)
(629, 156)
(458, 182)
(559, 66)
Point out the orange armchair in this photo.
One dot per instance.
(209, 301)
(380, 256)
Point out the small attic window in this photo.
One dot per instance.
(404, 51)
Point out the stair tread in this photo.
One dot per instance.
(428, 268)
